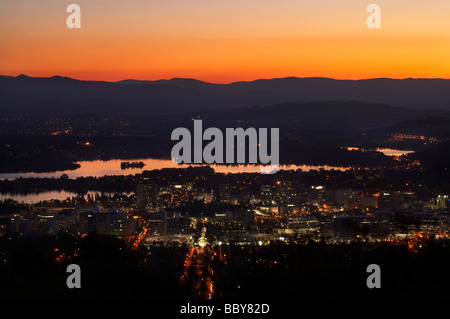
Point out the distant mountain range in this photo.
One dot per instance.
(24, 95)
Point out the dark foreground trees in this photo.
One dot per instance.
(111, 268)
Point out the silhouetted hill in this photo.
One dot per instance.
(313, 116)
(23, 95)
(436, 157)
(431, 126)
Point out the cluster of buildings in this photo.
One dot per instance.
(157, 196)
(76, 221)
(283, 211)
(288, 209)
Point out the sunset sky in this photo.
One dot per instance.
(225, 40)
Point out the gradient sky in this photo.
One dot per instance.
(225, 40)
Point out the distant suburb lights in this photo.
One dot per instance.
(74, 19)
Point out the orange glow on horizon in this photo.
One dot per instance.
(223, 42)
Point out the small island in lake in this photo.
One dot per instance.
(125, 165)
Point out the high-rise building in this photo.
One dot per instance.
(266, 193)
(147, 195)
(342, 195)
(351, 227)
(389, 199)
(288, 191)
(359, 203)
(228, 193)
(158, 223)
(442, 201)
(317, 195)
(22, 226)
(179, 194)
(113, 222)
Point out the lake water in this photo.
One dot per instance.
(112, 167)
(385, 151)
(392, 152)
(37, 197)
(47, 195)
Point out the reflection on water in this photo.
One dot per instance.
(37, 197)
(393, 152)
(385, 151)
(112, 167)
(47, 195)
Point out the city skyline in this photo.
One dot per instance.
(135, 139)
